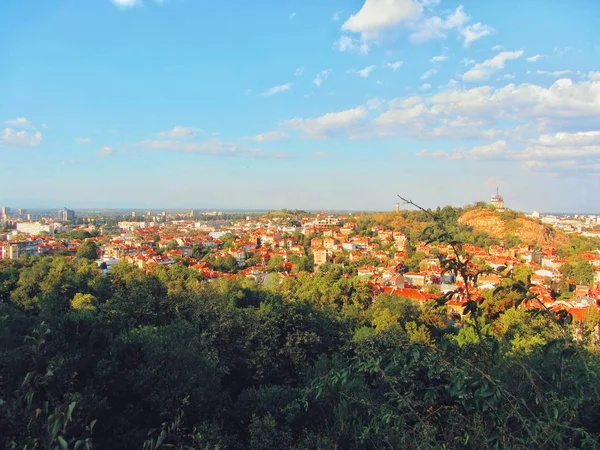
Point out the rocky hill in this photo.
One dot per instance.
(500, 225)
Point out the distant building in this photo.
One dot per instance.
(66, 215)
(497, 201)
(36, 228)
(321, 256)
(327, 222)
(133, 214)
(5, 212)
(14, 250)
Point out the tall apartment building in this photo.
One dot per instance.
(66, 215)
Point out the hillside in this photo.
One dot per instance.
(500, 225)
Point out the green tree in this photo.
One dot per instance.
(88, 250)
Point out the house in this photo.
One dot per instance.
(329, 243)
(415, 278)
(321, 256)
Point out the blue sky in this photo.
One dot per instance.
(299, 104)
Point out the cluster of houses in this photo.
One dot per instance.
(254, 241)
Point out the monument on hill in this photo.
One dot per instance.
(497, 201)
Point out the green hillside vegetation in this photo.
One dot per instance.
(135, 360)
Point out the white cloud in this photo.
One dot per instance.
(318, 155)
(425, 87)
(349, 44)
(497, 48)
(125, 4)
(468, 62)
(277, 89)
(555, 73)
(364, 73)
(535, 58)
(472, 33)
(493, 151)
(381, 19)
(483, 70)
(269, 136)
(13, 138)
(438, 59)
(213, 147)
(506, 76)
(319, 127)
(563, 145)
(395, 65)
(20, 122)
(429, 73)
(522, 110)
(435, 27)
(595, 76)
(336, 16)
(299, 71)
(83, 140)
(321, 77)
(105, 151)
(180, 132)
(378, 15)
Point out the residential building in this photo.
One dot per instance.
(321, 256)
(66, 215)
(36, 228)
(16, 249)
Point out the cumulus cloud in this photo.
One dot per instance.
(269, 136)
(554, 73)
(364, 73)
(376, 16)
(13, 138)
(180, 132)
(277, 89)
(534, 58)
(563, 145)
(429, 73)
(379, 20)
(436, 28)
(506, 76)
(349, 44)
(483, 70)
(472, 33)
(438, 59)
(20, 122)
(319, 127)
(321, 77)
(394, 65)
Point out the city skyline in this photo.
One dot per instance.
(134, 104)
